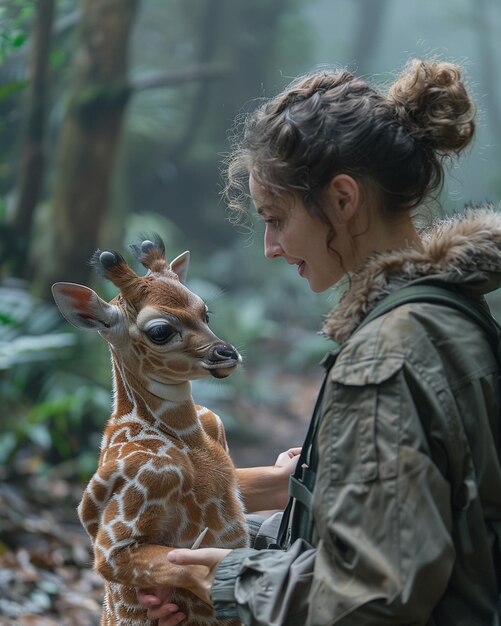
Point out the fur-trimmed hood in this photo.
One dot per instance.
(464, 251)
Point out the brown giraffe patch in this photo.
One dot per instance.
(120, 530)
(111, 511)
(150, 520)
(132, 500)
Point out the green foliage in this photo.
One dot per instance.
(58, 58)
(15, 23)
(15, 17)
(11, 88)
(52, 407)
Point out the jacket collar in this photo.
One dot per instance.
(464, 251)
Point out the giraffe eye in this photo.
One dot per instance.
(161, 333)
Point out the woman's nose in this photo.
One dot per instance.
(272, 249)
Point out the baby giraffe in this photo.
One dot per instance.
(164, 475)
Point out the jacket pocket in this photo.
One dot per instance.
(370, 371)
(360, 426)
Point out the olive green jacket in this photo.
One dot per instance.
(407, 503)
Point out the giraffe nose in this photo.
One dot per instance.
(222, 359)
(224, 352)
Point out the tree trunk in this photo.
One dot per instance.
(89, 136)
(32, 163)
(246, 38)
(370, 27)
(209, 38)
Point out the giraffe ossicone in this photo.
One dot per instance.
(164, 474)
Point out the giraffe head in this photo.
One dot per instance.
(155, 326)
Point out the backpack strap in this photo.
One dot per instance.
(440, 295)
(297, 519)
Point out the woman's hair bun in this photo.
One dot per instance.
(432, 103)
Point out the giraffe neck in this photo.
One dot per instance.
(166, 406)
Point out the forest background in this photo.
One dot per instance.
(114, 121)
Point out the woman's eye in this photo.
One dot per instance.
(273, 222)
(161, 333)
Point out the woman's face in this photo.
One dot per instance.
(301, 239)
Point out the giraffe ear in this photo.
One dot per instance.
(83, 308)
(180, 266)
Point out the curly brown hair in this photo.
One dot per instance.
(329, 123)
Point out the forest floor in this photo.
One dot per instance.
(46, 578)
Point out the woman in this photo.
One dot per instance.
(407, 498)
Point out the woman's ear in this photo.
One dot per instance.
(345, 196)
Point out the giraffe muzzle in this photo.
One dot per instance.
(222, 360)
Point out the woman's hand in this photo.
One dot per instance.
(196, 573)
(285, 464)
(201, 578)
(266, 488)
(158, 605)
(288, 460)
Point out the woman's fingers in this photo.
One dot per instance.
(284, 458)
(197, 569)
(166, 611)
(193, 570)
(209, 557)
(158, 605)
(288, 460)
(172, 620)
(148, 598)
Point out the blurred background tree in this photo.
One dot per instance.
(114, 116)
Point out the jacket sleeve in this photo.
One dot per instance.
(265, 587)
